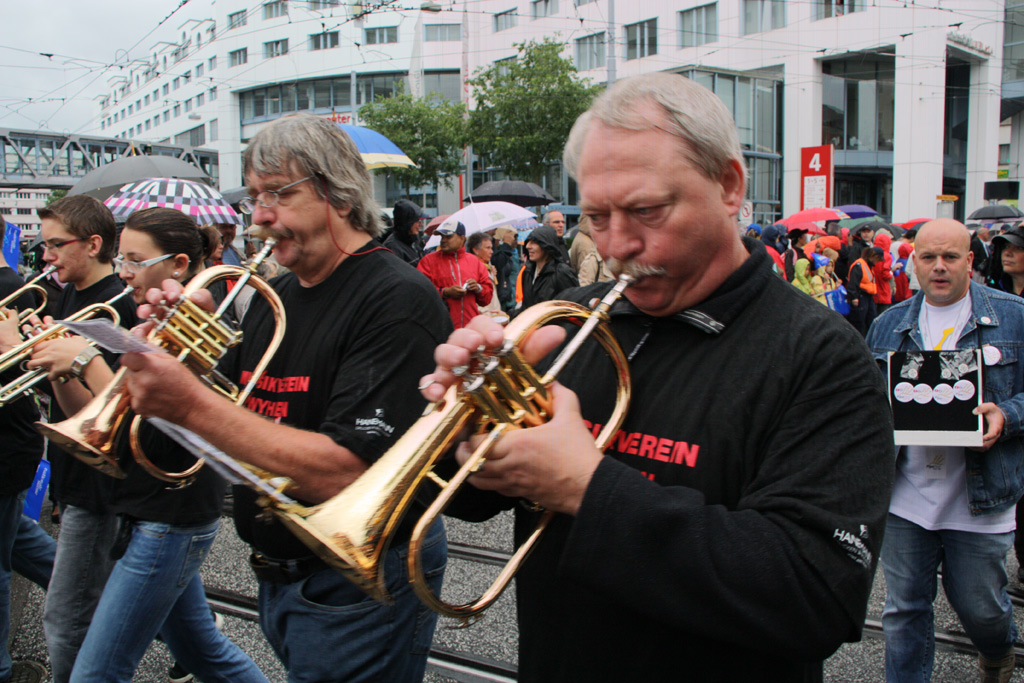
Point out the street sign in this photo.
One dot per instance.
(816, 174)
(746, 216)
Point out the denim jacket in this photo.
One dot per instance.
(995, 479)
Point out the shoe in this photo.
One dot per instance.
(997, 670)
(1020, 575)
(177, 674)
(27, 671)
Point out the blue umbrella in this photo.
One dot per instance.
(856, 210)
(377, 151)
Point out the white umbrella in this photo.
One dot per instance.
(484, 216)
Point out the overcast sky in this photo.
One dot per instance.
(88, 39)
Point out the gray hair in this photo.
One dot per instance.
(314, 146)
(691, 112)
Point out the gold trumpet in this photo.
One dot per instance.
(352, 531)
(22, 352)
(197, 338)
(30, 286)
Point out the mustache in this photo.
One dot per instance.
(636, 270)
(264, 233)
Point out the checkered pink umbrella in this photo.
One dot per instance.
(204, 204)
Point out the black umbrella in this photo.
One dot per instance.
(235, 195)
(518, 192)
(996, 212)
(109, 178)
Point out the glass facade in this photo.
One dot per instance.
(335, 94)
(858, 101)
(1013, 41)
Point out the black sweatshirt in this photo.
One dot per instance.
(733, 532)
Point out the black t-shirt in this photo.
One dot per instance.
(72, 481)
(22, 444)
(355, 348)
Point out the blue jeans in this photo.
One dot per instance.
(34, 552)
(156, 587)
(974, 578)
(33, 562)
(323, 628)
(80, 572)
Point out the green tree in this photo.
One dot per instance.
(525, 108)
(431, 132)
(56, 195)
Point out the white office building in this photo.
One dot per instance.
(911, 95)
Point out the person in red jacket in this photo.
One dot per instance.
(882, 272)
(459, 277)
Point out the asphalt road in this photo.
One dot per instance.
(494, 637)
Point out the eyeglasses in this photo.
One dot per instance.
(54, 245)
(267, 198)
(136, 266)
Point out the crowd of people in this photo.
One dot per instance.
(730, 530)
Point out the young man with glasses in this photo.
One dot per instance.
(339, 391)
(79, 238)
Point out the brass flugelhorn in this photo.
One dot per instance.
(23, 351)
(353, 530)
(197, 338)
(30, 286)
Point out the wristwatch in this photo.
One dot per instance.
(83, 359)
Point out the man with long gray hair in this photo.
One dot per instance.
(730, 530)
(361, 326)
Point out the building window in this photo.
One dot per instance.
(323, 41)
(505, 20)
(200, 99)
(763, 15)
(156, 96)
(824, 9)
(147, 124)
(213, 93)
(381, 34)
(238, 57)
(176, 83)
(642, 39)
(858, 103)
(156, 120)
(698, 26)
(1004, 154)
(275, 48)
(212, 63)
(582, 2)
(236, 19)
(440, 32)
(167, 115)
(590, 52)
(177, 110)
(543, 8)
(323, 4)
(199, 70)
(272, 10)
(186, 77)
(146, 100)
(166, 89)
(213, 130)
(130, 107)
(188, 104)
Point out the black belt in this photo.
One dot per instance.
(284, 571)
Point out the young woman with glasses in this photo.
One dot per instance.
(166, 532)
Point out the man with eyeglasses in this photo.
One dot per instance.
(79, 238)
(341, 389)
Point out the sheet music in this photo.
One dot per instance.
(110, 336)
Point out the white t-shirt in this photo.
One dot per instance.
(931, 481)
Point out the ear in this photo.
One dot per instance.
(95, 245)
(734, 186)
(180, 262)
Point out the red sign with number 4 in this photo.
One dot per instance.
(816, 173)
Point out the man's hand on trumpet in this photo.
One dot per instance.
(551, 464)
